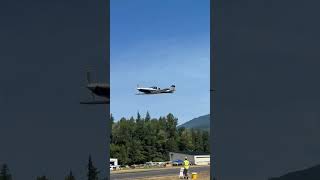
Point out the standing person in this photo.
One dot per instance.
(186, 164)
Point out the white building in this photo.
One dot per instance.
(194, 158)
(113, 164)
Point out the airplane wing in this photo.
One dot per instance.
(151, 93)
(96, 102)
(147, 91)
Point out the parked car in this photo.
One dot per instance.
(177, 162)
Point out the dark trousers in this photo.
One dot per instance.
(185, 173)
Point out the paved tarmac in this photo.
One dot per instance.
(157, 172)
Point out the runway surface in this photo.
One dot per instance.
(157, 172)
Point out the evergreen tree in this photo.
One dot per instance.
(148, 118)
(92, 171)
(205, 140)
(4, 173)
(123, 155)
(70, 176)
(189, 141)
(111, 120)
(198, 141)
(193, 139)
(172, 133)
(132, 120)
(140, 129)
(135, 153)
(183, 139)
(142, 140)
(138, 116)
(114, 150)
(112, 123)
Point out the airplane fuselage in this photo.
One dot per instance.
(156, 90)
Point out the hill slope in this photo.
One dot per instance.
(312, 173)
(202, 122)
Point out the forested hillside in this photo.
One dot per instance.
(202, 122)
(142, 139)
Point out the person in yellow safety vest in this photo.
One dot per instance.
(186, 164)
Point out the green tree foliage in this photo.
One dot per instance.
(205, 141)
(148, 118)
(70, 176)
(112, 123)
(136, 141)
(138, 116)
(4, 173)
(111, 119)
(92, 171)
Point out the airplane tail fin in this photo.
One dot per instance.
(173, 87)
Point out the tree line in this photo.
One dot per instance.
(144, 139)
(92, 173)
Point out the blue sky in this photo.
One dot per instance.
(160, 43)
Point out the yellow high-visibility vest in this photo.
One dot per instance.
(186, 164)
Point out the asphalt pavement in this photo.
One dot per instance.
(156, 172)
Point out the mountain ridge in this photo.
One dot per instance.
(312, 173)
(201, 122)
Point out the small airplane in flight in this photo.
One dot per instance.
(97, 89)
(155, 90)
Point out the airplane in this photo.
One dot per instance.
(155, 90)
(97, 89)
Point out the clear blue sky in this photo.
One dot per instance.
(160, 43)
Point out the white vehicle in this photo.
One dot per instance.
(114, 164)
